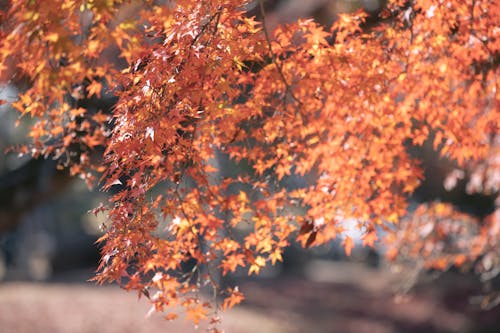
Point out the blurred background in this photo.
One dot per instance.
(48, 252)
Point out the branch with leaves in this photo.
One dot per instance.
(195, 79)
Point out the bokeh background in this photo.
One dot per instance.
(48, 253)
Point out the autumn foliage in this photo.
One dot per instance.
(338, 106)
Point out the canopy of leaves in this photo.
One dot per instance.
(194, 79)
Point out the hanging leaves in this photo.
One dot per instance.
(191, 80)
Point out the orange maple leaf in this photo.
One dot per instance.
(348, 244)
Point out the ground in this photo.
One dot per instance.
(329, 297)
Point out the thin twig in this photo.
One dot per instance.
(288, 87)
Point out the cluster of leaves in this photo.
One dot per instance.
(193, 79)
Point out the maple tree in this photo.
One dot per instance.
(193, 79)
